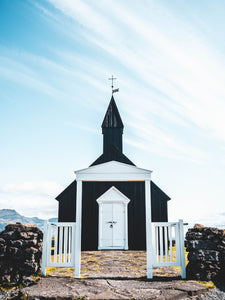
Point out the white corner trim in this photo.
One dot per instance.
(78, 229)
(148, 220)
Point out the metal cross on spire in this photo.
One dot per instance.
(112, 78)
(113, 90)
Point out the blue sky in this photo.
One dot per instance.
(168, 56)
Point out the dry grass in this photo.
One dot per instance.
(50, 270)
(93, 264)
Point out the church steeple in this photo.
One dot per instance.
(112, 128)
(112, 117)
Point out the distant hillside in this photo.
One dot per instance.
(10, 215)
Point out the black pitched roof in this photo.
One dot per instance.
(112, 117)
(155, 188)
(112, 154)
(68, 190)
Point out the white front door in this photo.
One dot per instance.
(113, 226)
(113, 233)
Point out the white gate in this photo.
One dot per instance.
(166, 240)
(168, 245)
(58, 245)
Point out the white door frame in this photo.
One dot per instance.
(114, 171)
(113, 195)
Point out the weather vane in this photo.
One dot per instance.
(113, 90)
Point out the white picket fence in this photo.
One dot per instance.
(167, 246)
(58, 245)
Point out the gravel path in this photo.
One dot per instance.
(67, 288)
(116, 275)
(127, 264)
(213, 294)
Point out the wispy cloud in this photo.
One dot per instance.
(212, 220)
(168, 79)
(54, 77)
(86, 128)
(38, 188)
(31, 198)
(20, 73)
(175, 62)
(167, 147)
(30, 205)
(170, 69)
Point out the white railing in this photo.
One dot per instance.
(168, 245)
(58, 245)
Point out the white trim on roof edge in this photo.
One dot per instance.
(113, 192)
(113, 171)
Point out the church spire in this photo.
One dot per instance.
(112, 128)
(112, 117)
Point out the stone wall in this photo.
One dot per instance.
(206, 247)
(20, 253)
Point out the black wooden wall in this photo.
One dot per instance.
(67, 203)
(159, 204)
(91, 191)
(135, 191)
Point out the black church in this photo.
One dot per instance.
(115, 198)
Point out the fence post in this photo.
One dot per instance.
(73, 242)
(148, 212)
(44, 249)
(78, 229)
(181, 246)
